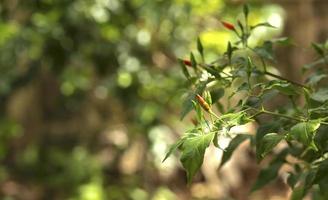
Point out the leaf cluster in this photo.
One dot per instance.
(243, 77)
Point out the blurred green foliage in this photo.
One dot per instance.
(82, 81)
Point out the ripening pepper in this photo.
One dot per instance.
(228, 26)
(203, 103)
(187, 62)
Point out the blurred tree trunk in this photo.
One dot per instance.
(306, 22)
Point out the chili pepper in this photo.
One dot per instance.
(203, 103)
(228, 26)
(187, 62)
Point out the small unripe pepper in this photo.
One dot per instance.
(187, 62)
(203, 103)
(228, 26)
(194, 121)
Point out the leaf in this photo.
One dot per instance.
(321, 138)
(265, 129)
(319, 49)
(292, 179)
(243, 86)
(252, 101)
(268, 142)
(234, 143)
(282, 41)
(282, 86)
(249, 66)
(200, 47)
(187, 103)
(173, 147)
(314, 79)
(193, 150)
(313, 64)
(208, 98)
(265, 24)
(322, 171)
(240, 26)
(199, 111)
(298, 193)
(184, 69)
(245, 10)
(234, 119)
(321, 95)
(265, 51)
(323, 185)
(212, 71)
(267, 175)
(193, 61)
(229, 51)
(215, 139)
(304, 132)
(216, 94)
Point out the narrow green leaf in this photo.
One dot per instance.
(282, 41)
(249, 66)
(266, 51)
(234, 143)
(298, 193)
(240, 26)
(267, 175)
(314, 64)
(212, 71)
(200, 47)
(173, 147)
(265, 24)
(199, 111)
(316, 78)
(216, 140)
(243, 86)
(187, 103)
(229, 51)
(193, 61)
(282, 86)
(207, 97)
(193, 150)
(184, 69)
(292, 179)
(268, 142)
(319, 49)
(246, 11)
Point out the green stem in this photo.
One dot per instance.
(281, 115)
(263, 64)
(262, 111)
(217, 117)
(285, 79)
(274, 75)
(213, 114)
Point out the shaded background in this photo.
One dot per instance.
(90, 94)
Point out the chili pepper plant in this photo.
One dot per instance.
(244, 76)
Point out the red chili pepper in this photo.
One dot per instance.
(187, 62)
(203, 103)
(228, 26)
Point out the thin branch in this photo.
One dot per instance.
(285, 79)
